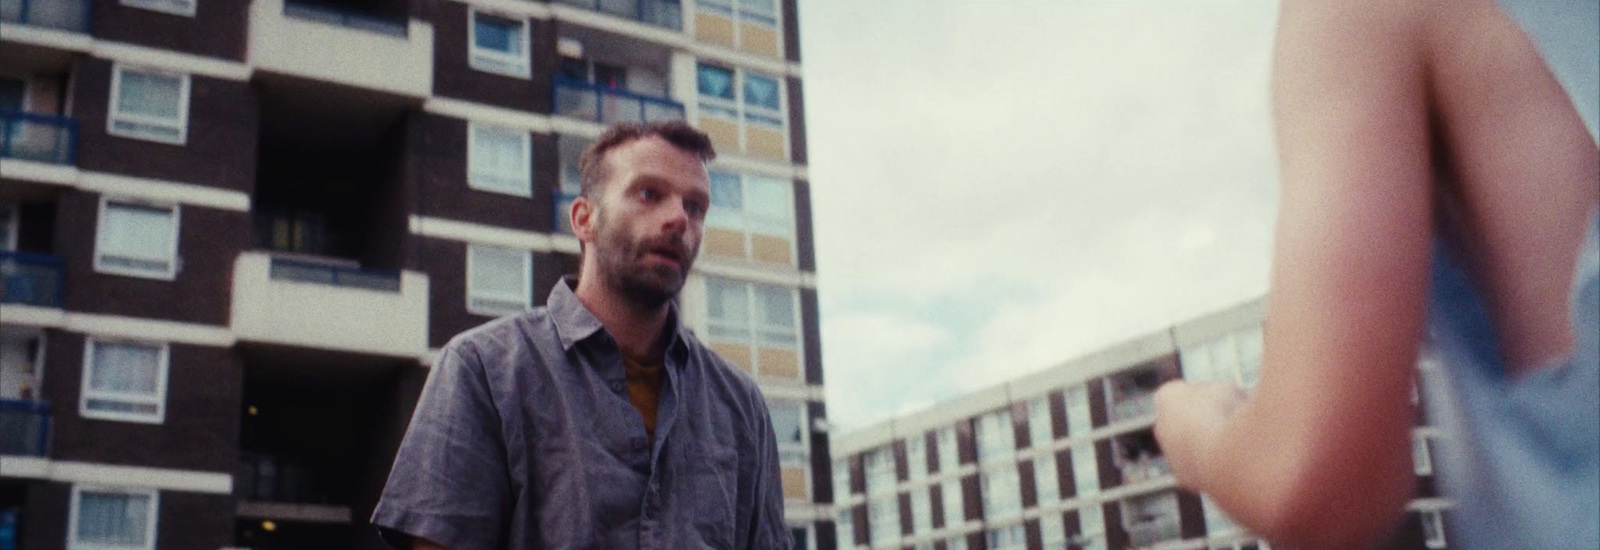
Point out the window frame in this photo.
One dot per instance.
(738, 105)
(1421, 455)
(1436, 519)
(803, 447)
(113, 114)
(527, 280)
(86, 393)
(12, 224)
(474, 157)
(497, 62)
(751, 334)
(152, 515)
(171, 273)
(166, 6)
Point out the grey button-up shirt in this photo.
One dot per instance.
(524, 439)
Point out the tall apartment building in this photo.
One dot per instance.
(1066, 458)
(236, 232)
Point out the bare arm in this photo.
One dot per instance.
(1318, 456)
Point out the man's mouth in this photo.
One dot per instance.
(666, 254)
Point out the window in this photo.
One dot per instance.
(761, 104)
(880, 471)
(756, 207)
(764, 317)
(124, 381)
(762, 12)
(717, 93)
(112, 519)
(917, 457)
(1002, 495)
(1078, 421)
(1052, 531)
(883, 519)
(150, 105)
(1085, 472)
(845, 528)
(136, 239)
(996, 436)
(955, 512)
(175, 7)
(956, 543)
(571, 151)
(1433, 529)
(788, 422)
(13, 94)
(1046, 478)
(801, 537)
(921, 511)
(1092, 523)
(8, 226)
(1040, 429)
(499, 280)
(499, 160)
(1005, 538)
(499, 45)
(949, 454)
(841, 479)
(752, 103)
(1421, 457)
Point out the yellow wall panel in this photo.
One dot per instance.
(722, 243)
(713, 28)
(738, 354)
(765, 142)
(794, 484)
(778, 363)
(759, 40)
(772, 250)
(724, 135)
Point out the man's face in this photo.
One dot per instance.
(646, 229)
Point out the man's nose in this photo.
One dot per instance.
(677, 216)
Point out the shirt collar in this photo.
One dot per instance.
(575, 323)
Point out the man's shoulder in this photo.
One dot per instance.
(509, 335)
(722, 374)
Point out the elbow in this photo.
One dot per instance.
(1334, 508)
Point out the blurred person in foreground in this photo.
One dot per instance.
(598, 421)
(1439, 184)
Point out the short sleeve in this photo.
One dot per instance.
(449, 483)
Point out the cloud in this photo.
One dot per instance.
(999, 186)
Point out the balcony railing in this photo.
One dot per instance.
(24, 427)
(1149, 532)
(393, 26)
(1145, 469)
(30, 279)
(39, 138)
(274, 479)
(661, 13)
(1133, 406)
(286, 269)
(609, 105)
(66, 15)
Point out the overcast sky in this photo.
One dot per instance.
(1003, 185)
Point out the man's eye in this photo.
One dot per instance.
(649, 194)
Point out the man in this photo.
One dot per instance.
(598, 421)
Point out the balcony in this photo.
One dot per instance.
(64, 15)
(38, 138)
(322, 305)
(605, 105)
(30, 279)
(388, 54)
(24, 428)
(667, 14)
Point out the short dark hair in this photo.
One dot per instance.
(680, 134)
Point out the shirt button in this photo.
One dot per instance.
(617, 386)
(638, 443)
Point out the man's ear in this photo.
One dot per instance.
(582, 216)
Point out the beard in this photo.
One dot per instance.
(621, 261)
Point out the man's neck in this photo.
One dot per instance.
(640, 333)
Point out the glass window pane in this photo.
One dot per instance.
(728, 302)
(138, 232)
(1078, 421)
(12, 91)
(125, 369)
(787, 423)
(777, 306)
(726, 191)
(1001, 491)
(571, 151)
(497, 34)
(921, 511)
(917, 457)
(760, 91)
(1047, 478)
(996, 436)
(149, 94)
(883, 519)
(113, 519)
(498, 271)
(1040, 431)
(954, 511)
(715, 82)
(1085, 473)
(949, 457)
(770, 203)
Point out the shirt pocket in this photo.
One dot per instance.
(713, 485)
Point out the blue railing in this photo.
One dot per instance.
(563, 205)
(30, 279)
(66, 15)
(286, 269)
(661, 13)
(24, 427)
(40, 138)
(393, 26)
(609, 105)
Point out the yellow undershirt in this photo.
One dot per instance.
(644, 391)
